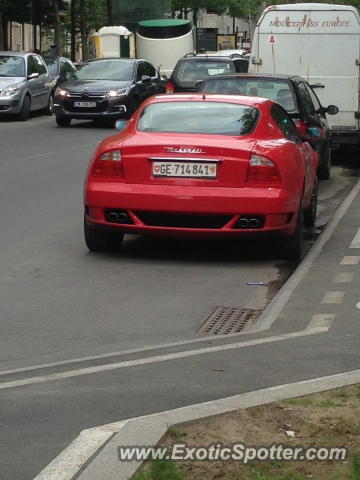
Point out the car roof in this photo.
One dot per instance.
(128, 60)
(17, 54)
(209, 97)
(204, 58)
(273, 76)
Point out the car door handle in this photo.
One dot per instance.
(317, 85)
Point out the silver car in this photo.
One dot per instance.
(25, 84)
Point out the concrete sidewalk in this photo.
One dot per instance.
(322, 297)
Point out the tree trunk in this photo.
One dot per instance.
(109, 11)
(4, 26)
(34, 23)
(1, 33)
(57, 27)
(73, 30)
(83, 32)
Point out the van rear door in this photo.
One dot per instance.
(334, 65)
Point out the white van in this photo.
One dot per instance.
(321, 43)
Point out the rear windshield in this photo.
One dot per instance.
(213, 118)
(278, 90)
(12, 66)
(106, 70)
(192, 71)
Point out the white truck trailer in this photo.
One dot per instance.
(320, 42)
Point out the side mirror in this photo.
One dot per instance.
(120, 125)
(33, 75)
(145, 78)
(332, 110)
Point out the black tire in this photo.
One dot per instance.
(325, 163)
(311, 211)
(49, 110)
(101, 240)
(25, 109)
(291, 247)
(63, 121)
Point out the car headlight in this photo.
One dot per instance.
(61, 92)
(121, 92)
(10, 90)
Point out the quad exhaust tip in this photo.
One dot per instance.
(249, 222)
(117, 216)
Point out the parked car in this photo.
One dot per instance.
(25, 84)
(295, 95)
(195, 166)
(191, 69)
(60, 69)
(107, 88)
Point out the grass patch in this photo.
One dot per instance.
(355, 473)
(160, 470)
(176, 433)
(330, 403)
(302, 401)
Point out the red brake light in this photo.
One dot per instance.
(262, 170)
(170, 87)
(108, 164)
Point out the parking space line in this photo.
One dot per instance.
(333, 297)
(350, 260)
(355, 243)
(343, 277)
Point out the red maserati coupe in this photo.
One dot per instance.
(198, 165)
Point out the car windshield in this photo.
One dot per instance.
(11, 66)
(106, 70)
(213, 118)
(278, 90)
(192, 71)
(52, 66)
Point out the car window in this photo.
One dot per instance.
(241, 65)
(285, 123)
(213, 118)
(277, 90)
(306, 101)
(149, 70)
(31, 65)
(40, 67)
(106, 70)
(140, 71)
(52, 66)
(191, 71)
(313, 97)
(12, 66)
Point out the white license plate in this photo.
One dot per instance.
(85, 104)
(184, 169)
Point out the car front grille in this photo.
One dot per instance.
(99, 98)
(175, 220)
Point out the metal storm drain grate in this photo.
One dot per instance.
(224, 321)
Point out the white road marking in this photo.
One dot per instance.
(321, 320)
(350, 260)
(316, 329)
(40, 155)
(333, 297)
(356, 240)
(343, 277)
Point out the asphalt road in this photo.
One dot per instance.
(59, 302)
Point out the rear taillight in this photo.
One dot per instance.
(170, 87)
(108, 164)
(262, 170)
